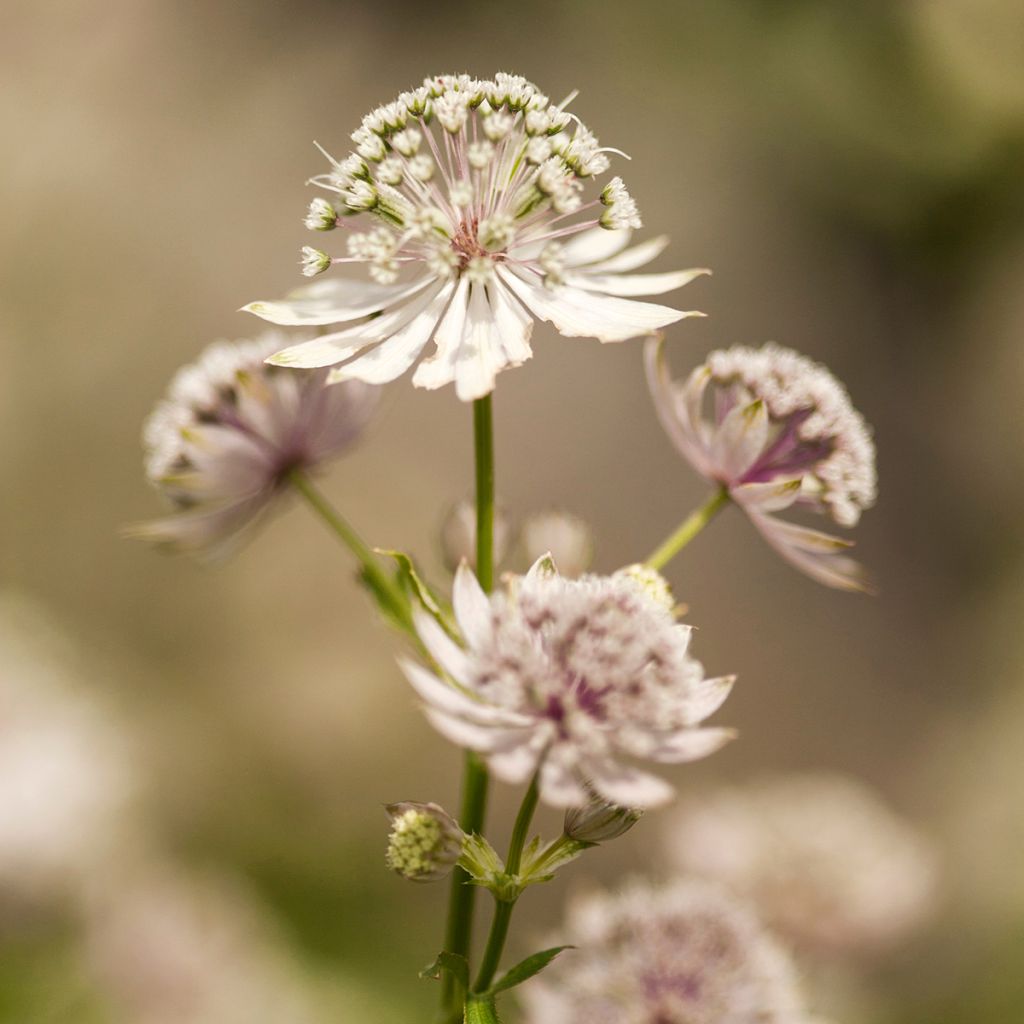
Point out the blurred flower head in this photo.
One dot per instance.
(821, 857)
(573, 677)
(686, 953)
(425, 841)
(566, 537)
(458, 535)
(166, 947)
(219, 446)
(467, 201)
(776, 430)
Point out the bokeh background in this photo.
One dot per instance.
(853, 175)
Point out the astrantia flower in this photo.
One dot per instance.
(776, 430)
(680, 954)
(573, 676)
(821, 857)
(471, 204)
(425, 841)
(222, 442)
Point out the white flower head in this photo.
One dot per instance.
(685, 953)
(823, 859)
(777, 430)
(504, 174)
(574, 677)
(219, 446)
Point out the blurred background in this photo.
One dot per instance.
(191, 825)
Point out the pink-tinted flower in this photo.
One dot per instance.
(219, 447)
(685, 953)
(471, 204)
(574, 677)
(776, 430)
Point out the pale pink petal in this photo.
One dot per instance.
(740, 439)
(772, 496)
(691, 745)
(517, 763)
(449, 656)
(708, 696)
(334, 300)
(483, 738)
(629, 787)
(559, 784)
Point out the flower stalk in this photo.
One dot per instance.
(688, 529)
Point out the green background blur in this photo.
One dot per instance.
(852, 172)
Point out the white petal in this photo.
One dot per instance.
(471, 606)
(576, 313)
(515, 325)
(594, 245)
(440, 646)
(446, 698)
(484, 738)
(709, 696)
(691, 745)
(740, 439)
(633, 284)
(629, 787)
(481, 353)
(397, 353)
(559, 785)
(630, 259)
(516, 764)
(439, 369)
(334, 301)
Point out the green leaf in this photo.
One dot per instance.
(411, 582)
(526, 969)
(453, 963)
(481, 1010)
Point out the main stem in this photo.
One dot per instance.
(380, 580)
(688, 529)
(503, 908)
(459, 929)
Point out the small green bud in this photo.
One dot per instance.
(425, 841)
(598, 821)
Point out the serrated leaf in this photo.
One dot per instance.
(457, 966)
(526, 969)
(411, 581)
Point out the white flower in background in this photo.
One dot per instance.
(169, 948)
(567, 537)
(220, 445)
(776, 430)
(470, 203)
(686, 953)
(573, 677)
(820, 856)
(458, 535)
(66, 782)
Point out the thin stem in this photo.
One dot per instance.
(462, 897)
(503, 908)
(483, 437)
(688, 529)
(381, 582)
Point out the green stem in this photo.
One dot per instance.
(379, 580)
(688, 529)
(462, 897)
(503, 908)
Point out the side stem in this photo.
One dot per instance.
(503, 908)
(688, 529)
(380, 581)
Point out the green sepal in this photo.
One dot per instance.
(413, 584)
(457, 966)
(526, 969)
(395, 613)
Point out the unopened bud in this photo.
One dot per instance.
(598, 821)
(458, 535)
(314, 261)
(425, 841)
(565, 536)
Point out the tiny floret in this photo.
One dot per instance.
(219, 447)
(425, 841)
(685, 953)
(485, 190)
(572, 677)
(775, 430)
